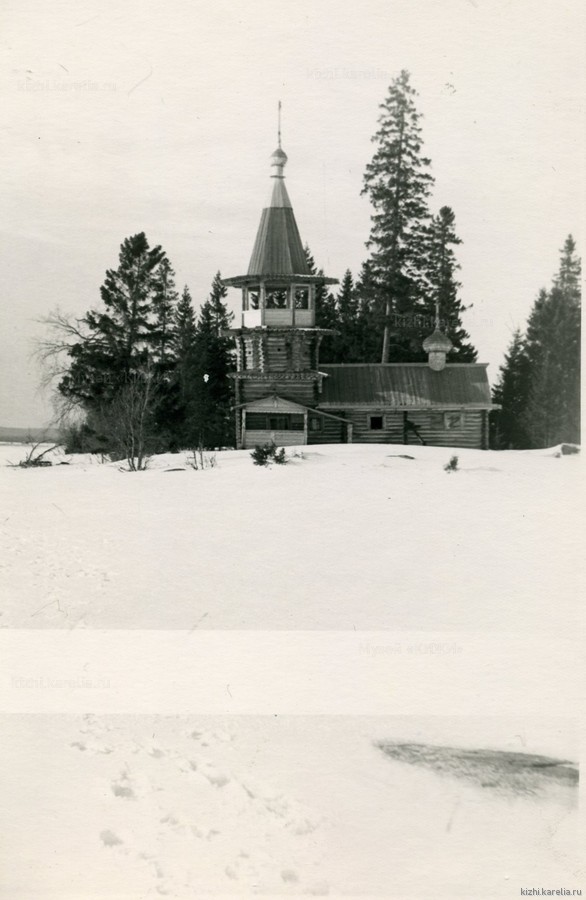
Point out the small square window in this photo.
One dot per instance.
(376, 423)
(315, 423)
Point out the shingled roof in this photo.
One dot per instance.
(405, 386)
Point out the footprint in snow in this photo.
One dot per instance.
(123, 788)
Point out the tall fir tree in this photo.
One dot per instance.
(183, 341)
(117, 339)
(539, 382)
(511, 393)
(325, 311)
(210, 392)
(346, 347)
(552, 414)
(163, 305)
(177, 372)
(369, 316)
(442, 287)
(398, 183)
(568, 278)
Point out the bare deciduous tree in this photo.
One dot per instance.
(128, 421)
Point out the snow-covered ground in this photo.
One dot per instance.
(348, 537)
(128, 808)
(344, 538)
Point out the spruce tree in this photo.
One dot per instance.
(539, 383)
(208, 408)
(164, 301)
(442, 287)
(180, 363)
(346, 347)
(398, 183)
(117, 338)
(511, 392)
(325, 310)
(183, 339)
(369, 316)
(552, 414)
(570, 272)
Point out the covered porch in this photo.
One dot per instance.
(277, 420)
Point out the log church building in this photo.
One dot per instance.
(283, 393)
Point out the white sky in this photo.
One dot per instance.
(160, 117)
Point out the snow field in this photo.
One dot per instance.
(351, 536)
(149, 806)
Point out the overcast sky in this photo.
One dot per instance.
(160, 117)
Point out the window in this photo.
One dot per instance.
(286, 423)
(301, 296)
(256, 421)
(274, 422)
(376, 423)
(316, 423)
(453, 420)
(253, 297)
(276, 298)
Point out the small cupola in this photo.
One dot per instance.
(437, 345)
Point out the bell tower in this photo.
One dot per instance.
(277, 341)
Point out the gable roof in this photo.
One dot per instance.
(273, 403)
(405, 386)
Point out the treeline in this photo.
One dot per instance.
(150, 374)
(539, 382)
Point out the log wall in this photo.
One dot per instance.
(469, 432)
(432, 428)
(280, 438)
(331, 432)
(391, 432)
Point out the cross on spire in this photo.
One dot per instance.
(279, 125)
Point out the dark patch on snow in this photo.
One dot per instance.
(499, 770)
(109, 839)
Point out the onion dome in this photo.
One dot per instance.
(437, 342)
(279, 158)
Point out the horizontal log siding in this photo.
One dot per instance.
(391, 432)
(280, 438)
(278, 358)
(434, 433)
(332, 431)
